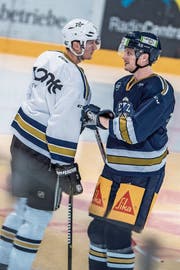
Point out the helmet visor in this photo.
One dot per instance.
(124, 44)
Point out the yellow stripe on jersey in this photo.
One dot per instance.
(165, 86)
(61, 150)
(124, 130)
(28, 128)
(86, 84)
(136, 161)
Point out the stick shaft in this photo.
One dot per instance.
(100, 144)
(70, 228)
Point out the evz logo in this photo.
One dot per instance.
(53, 84)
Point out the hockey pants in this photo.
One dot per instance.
(110, 246)
(21, 235)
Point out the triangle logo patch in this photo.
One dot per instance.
(124, 205)
(97, 198)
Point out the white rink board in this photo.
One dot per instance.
(34, 20)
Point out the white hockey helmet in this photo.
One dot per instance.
(80, 30)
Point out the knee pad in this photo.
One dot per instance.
(38, 217)
(117, 237)
(96, 231)
(35, 223)
(15, 219)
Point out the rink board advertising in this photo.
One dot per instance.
(161, 17)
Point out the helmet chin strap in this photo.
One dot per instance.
(138, 66)
(79, 55)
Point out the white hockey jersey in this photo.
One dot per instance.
(49, 119)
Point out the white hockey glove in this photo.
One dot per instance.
(91, 114)
(69, 178)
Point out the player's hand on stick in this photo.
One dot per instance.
(91, 116)
(69, 178)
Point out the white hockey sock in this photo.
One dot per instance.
(9, 228)
(28, 239)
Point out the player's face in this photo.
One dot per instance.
(129, 59)
(91, 46)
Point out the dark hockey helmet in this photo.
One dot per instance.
(142, 42)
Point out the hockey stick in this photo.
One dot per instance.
(70, 228)
(100, 144)
(70, 217)
(103, 154)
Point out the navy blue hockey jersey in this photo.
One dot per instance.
(138, 143)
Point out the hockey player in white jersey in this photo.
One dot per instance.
(46, 131)
(136, 152)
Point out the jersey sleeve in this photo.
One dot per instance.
(153, 113)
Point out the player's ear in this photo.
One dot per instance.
(76, 46)
(144, 58)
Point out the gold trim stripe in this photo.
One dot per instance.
(31, 130)
(25, 244)
(100, 57)
(8, 235)
(87, 88)
(165, 86)
(61, 150)
(124, 130)
(136, 161)
(120, 260)
(97, 254)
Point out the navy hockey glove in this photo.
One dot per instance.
(69, 178)
(91, 114)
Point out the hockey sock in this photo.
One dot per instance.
(8, 231)
(28, 239)
(120, 259)
(97, 257)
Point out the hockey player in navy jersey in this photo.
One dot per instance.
(136, 152)
(46, 131)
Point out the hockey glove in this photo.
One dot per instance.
(91, 114)
(69, 178)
